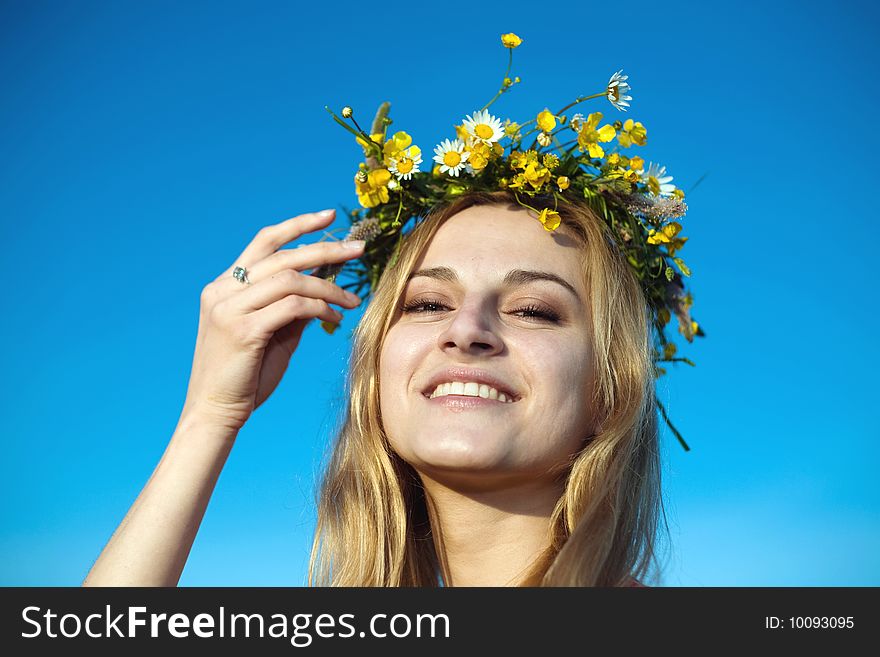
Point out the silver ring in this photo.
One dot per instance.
(240, 274)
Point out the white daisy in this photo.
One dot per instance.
(450, 155)
(484, 127)
(406, 162)
(657, 180)
(576, 122)
(617, 90)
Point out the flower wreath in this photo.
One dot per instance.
(565, 160)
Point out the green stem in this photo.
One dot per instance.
(503, 88)
(580, 100)
(669, 424)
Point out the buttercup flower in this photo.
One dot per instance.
(451, 156)
(484, 127)
(397, 143)
(375, 190)
(589, 137)
(563, 183)
(549, 219)
(668, 235)
(617, 90)
(479, 155)
(510, 40)
(633, 133)
(546, 121)
(657, 180)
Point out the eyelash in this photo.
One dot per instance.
(538, 312)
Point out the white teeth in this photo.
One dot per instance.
(470, 389)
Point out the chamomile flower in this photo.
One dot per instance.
(617, 89)
(657, 181)
(484, 127)
(405, 163)
(451, 156)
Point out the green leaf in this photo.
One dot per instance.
(682, 266)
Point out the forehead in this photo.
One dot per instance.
(486, 240)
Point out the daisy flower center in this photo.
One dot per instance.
(451, 158)
(483, 131)
(405, 165)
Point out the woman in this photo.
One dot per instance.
(501, 427)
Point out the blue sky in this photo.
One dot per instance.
(143, 145)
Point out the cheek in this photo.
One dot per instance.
(564, 376)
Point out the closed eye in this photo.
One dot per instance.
(527, 312)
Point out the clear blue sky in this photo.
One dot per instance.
(143, 144)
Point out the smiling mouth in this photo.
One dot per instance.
(471, 390)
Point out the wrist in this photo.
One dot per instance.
(196, 421)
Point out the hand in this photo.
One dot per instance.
(248, 333)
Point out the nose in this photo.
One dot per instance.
(471, 331)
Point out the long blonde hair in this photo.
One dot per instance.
(373, 525)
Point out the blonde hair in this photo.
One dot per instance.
(373, 525)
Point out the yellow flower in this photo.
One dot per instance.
(636, 163)
(589, 137)
(480, 154)
(375, 190)
(613, 159)
(669, 350)
(633, 133)
(550, 219)
(668, 236)
(517, 160)
(546, 121)
(511, 128)
(462, 133)
(397, 143)
(510, 40)
(631, 176)
(536, 175)
(563, 183)
(550, 160)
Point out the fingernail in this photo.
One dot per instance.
(354, 244)
(326, 213)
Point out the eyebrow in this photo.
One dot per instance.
(513, 277)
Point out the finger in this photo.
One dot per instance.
(288, 282)
(271, 238)
(292, 308)
(306, 256)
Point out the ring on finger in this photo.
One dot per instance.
(240, 274)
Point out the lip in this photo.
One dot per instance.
(463, 375)
(459, 403)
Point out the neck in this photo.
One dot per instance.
(490, 538)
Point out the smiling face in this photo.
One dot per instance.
(496, 301)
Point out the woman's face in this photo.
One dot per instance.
(496, 303)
